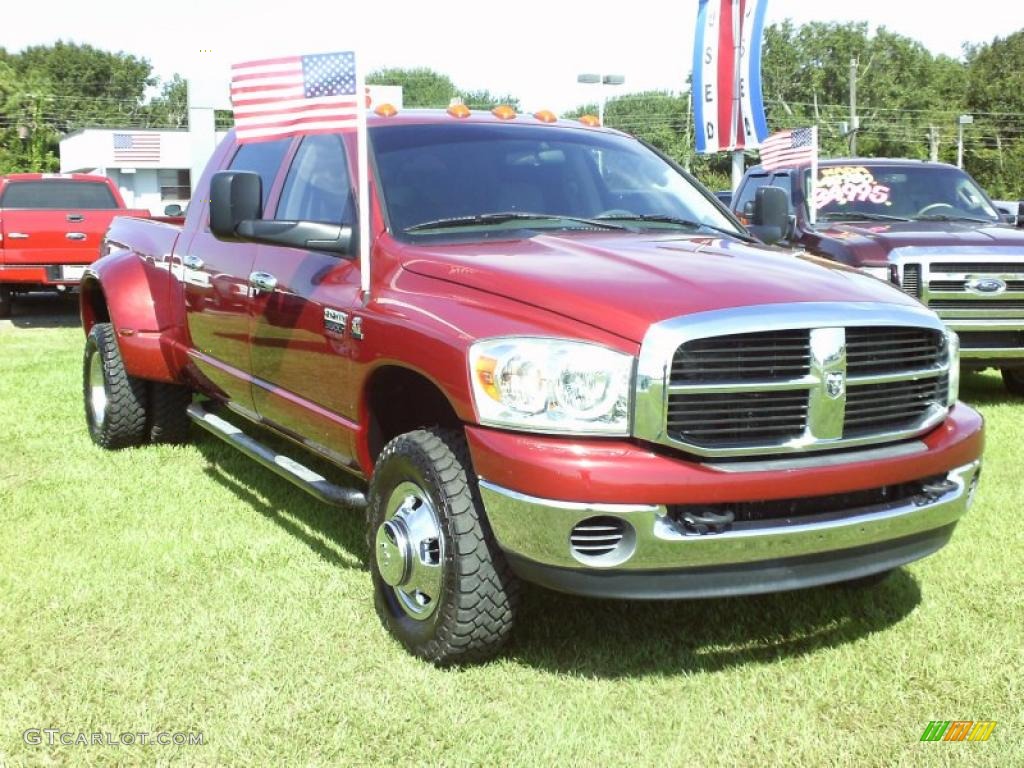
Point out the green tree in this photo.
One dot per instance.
(421, 87)
(995, 96)
(424, 87)
(86, 86)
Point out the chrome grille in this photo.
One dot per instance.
(911, 282)
(893, 406)
(810, 378)
(888, 350)
(743, 356)
(726, 418)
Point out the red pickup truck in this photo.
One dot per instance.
(572, 366)
(51, 226)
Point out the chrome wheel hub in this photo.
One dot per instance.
(409, 550)
(97, 389)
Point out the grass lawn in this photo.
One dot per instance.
(187, 589)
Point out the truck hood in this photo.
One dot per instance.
(623, 283)
(860, 242)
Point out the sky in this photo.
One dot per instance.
(533, 49)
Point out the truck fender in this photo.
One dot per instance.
(131, 294)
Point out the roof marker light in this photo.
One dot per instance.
(458, 110)
(546, 116)
(504, 112)
(591, 121)
(386, 110)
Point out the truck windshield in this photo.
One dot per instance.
(58, 194)
(901, 192)
(479, 179)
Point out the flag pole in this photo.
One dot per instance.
(812, 209)
(363, 170)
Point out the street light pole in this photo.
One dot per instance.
(601, 81)
(961, 122)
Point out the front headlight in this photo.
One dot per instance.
(551, 385)
(953, 344)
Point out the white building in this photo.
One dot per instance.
(150, 167)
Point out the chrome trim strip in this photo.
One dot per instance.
(804, 382)
(827, 322)
(888, 378)
(538, 529)
(826, 402)
(885, 453)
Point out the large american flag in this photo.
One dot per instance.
(274, 98)
(136, 147)
(787, 149)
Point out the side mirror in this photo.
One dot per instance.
(769, 220)
(172, 210)
(235, 196)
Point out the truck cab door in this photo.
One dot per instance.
(303, 341)
(218, 300)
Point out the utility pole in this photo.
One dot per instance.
(933, 142)
(961, 122)
(853, 108)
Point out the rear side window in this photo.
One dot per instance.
(58, 194)
(754, 183)
(262, 157)
(318, 186)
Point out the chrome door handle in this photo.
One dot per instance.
(192, 262)
(263, 281)
(75, 235)
(17, 235)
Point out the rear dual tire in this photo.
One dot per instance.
(122, 410)
(1013, 380)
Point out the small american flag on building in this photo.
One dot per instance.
(274, 98)
(787, 149)
(136, 147)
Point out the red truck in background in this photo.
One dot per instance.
(573, 366)
(51, 226)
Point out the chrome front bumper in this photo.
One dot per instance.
(535, 533)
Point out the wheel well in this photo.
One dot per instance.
(94, 305)
(399, 401)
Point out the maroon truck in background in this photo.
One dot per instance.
(925, 227)
(572, 366)
(51, 227)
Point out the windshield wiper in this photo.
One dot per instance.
(501, 218)
(660, 218)
(948, 217)
(859, 216)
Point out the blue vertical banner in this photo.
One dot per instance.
(728, 107)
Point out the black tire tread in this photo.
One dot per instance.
(1013, 380)
(125, 422)
(168, 421)
(477, 617)
(6, 302)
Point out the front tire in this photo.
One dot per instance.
(115, 402)
(442, 586)
(6, 301)
(1013, 380)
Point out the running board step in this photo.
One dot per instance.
(308, 480)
